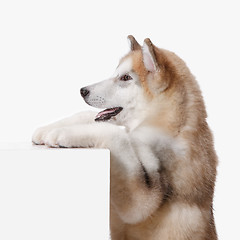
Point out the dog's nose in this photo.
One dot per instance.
(84, 92)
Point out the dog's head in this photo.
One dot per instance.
(144, 86)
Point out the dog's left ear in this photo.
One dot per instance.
(149, 58)
(134, 45)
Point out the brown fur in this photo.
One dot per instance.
(184, 182)
(134, 44)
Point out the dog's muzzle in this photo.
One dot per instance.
(104, 115)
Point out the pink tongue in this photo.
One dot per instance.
(105, 112)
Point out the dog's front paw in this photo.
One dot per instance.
(39, 135)
(60, 137)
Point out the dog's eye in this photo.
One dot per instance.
(125, 77)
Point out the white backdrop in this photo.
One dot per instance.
(49, 49)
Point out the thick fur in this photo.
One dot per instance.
(163, 163)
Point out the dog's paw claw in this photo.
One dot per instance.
(61, 146)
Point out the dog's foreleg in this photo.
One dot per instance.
(135, 188)
(79, 118)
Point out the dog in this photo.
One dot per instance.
(163, 162)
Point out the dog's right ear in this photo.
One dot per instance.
(134, 45)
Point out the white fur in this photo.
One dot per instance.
(131, 147)
(124, 67)
(41, 133)
(116, 93)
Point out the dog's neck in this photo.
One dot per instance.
(130, 124)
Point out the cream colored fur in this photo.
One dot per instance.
(163, 163)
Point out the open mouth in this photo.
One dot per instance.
(108, 113)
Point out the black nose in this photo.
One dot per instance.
(84, 92)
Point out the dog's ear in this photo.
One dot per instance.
(134, 45)
(149, 58)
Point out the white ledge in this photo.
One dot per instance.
(53, 193)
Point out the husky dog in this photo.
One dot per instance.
(163, 162)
